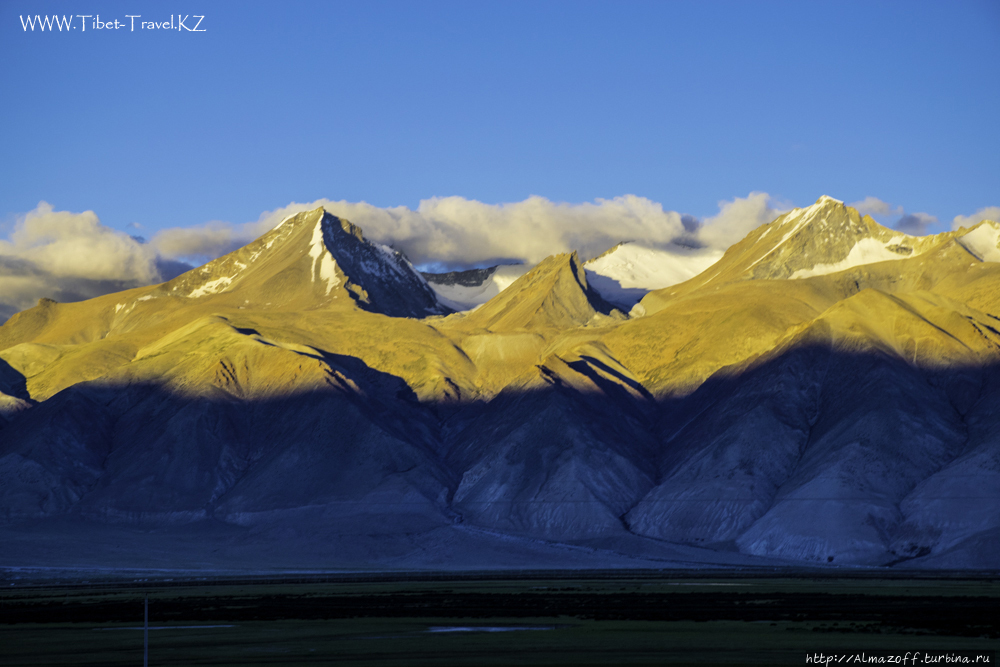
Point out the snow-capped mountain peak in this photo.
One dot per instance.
(386, 281)
(630, 270)
(826, 237)
(982, 241)
(309, 260)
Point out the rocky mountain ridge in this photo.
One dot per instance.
(339, 262)
(800, 401)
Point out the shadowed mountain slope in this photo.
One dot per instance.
(561, 453)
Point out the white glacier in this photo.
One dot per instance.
(323, 262)
(328, 272)
(865, 251)
(983, 241)
(626, 274)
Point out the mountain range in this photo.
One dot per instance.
(826, 393)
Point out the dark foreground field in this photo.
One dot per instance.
(549, 618)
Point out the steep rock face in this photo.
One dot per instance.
(346, 466)
(52, 455)
(561, 454)
(379, 278)
(808, 452)
(222, 436)
(308, 260)
(960, 499)
(882, 427)
(876, 438)
(729, 447)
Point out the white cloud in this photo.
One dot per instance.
(203, 242)
(77, 244)
(988, 213)
(455, 230)
(68, 256)
(459, 231)
(739, 217)
(875, 206)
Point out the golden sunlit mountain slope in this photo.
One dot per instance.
(787, 273)
(554, 296)
(825, 393)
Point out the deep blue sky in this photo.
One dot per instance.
(686, 103)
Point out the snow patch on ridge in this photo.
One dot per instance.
(316, 246)
(322, 259)
(865, 251)
(626, 274)
(803, 216)
(635, 265)
(212, 287)
(283, 221)
(397, 263)
(983, 242)
(328, 272)
(386, 249)
(393, 261)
